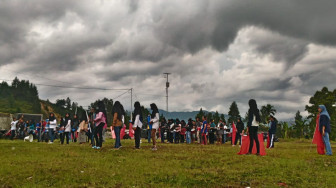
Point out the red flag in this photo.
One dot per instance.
(122, 132)
(246, 144)
(131, 131)
(317, 139)
(234, 131)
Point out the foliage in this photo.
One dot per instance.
(266, 111)
(233, 113)
(21, 96)
(327, 98)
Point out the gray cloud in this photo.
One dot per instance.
(218, 51)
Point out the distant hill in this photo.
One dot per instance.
(183, 115)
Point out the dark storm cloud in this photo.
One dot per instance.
(215, 23)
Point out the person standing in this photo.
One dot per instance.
(240, 131)
(199, 133)
(118, 112)
(188, 131)
(149, 129)
(324, 127)
(67, 127)
(74, 128)
(225, 133)
(13, 128)
(253, 125)
(220, 131)
(154, 120)
(163, 126)
(100, 122)
(272, 131)
(52, 127)
(204, 131)
(137, 124)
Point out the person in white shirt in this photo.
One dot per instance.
(225, 132)
(52, 127)
(137, 124)
(155, 117)
(13, 128)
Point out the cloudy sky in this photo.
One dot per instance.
(218, 51)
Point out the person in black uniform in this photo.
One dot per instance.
(240, 131)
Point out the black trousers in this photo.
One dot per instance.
(137, 137)
(238, 137)
(212, 137)
(253, 133)
(99, 135)
(65, 135)
(12, 134)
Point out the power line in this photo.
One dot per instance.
(74, 87)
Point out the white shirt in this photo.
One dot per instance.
(155, 121)
(225, 127)
(137, 122)
(67, 127)
(53, 124)
(13, 125)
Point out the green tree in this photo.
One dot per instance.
(233, 112)
(216, 117)
(200, 114)
(328, 99)
(266, 111)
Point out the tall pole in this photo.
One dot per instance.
(167, 86)
(131, 103)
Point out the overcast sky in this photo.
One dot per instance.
(218, 51)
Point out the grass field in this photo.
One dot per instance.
(294, 163)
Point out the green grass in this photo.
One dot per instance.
(295, 163)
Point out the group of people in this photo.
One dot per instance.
(92, 126)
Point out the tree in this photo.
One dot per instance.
(200, 114)
(328, 99)
(266, 111)
(222, 117)
(68, 103)
(216, 117)
(233, 112)
(299, 125)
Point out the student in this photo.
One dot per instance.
(163, 127)
(193, 132)
(149, 129)
(74, 128)
(155, 117)
(22, 127)
(240, 131)
(52, 127)
(118, 112)
(137, 124)
(61, 130)
(188, 131)
(183, 131)
(171, 131)
(38, 130)
(83, 127)
(199, 133)
(13, 128)
(204, 131)
(212, 131)
(272, 131)
(67, 128)
(220, 131)
(225, 133)
(92, 125)
(324, 127)
(177, 130)
(253, 124)
(100, 122)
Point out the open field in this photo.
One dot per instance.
(294, 163)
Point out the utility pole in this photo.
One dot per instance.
(167, 86)
(131, 104)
